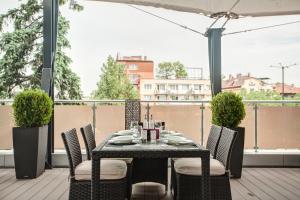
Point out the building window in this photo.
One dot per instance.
(161, 87)
(197, 87)
(196, 97)
(133, 67)
(185, 87)
(161, 97)
(186, 98)
(174, 97)
(147, 86)
(147, 97)
(133, 78)
(173, 87)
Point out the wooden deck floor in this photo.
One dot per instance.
(256, 184)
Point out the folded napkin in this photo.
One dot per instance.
(124, 132)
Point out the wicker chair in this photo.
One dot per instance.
(188, 172)
(113, 173)
(211, 145)
(90, 143)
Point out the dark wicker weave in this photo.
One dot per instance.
(211, 145)
(126, 151)
(81, 190)
(150, 170)
(187, 186)
(213, 139)
(89, 139)
(132, 112)
(90, 144)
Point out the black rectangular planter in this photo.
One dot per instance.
(30, 148)
(236, 160)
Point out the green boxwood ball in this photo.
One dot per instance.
(32, 108)
(227, 109)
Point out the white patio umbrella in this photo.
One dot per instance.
(230, 9)
(254, 8)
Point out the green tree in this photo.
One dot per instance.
(260, 95)
(21, 55)
(114, 83)
(168, 70)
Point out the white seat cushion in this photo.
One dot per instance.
(110, 170)
(127, 160)
(192, 166)
(174, 159)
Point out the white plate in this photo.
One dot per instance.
(124, 132)
(125, 139)
(182, 142)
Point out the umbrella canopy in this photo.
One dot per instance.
(254, 8)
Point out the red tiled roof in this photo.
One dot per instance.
(235, 82)
(290, 89)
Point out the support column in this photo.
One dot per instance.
(50, 13)
(214, 52)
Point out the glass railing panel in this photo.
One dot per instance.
(6, 125)
(180, 118)
(67, 117)
(109, 119)
(278, 127)
(249, 124)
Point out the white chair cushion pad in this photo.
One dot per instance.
(127, 160)
(192, 166)
(174, 159)
(110, 170)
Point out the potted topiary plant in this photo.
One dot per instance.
(228, 110)
(32, 112)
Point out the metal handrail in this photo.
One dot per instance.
(163, 101)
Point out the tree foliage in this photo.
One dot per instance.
(114, 83)
(260, 95)
(169, 70)
(21, 53)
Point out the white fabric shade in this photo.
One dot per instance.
(254, 8)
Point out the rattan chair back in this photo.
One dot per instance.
(225, 146)
(132, 111)
(72, 146)
(213, 139)
(89, 139)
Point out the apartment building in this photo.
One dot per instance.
(246, 82)
(175, 89)
(137, 68)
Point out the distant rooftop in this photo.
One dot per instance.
(133, 58)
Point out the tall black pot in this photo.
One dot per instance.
(30, 148)
(236, 160)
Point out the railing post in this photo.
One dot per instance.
(94, 108)
(255, 128)
(148, 112)
(202, 122)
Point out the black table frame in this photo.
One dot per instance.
(99, 153)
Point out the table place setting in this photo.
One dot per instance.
(122, 140)
(124, 132)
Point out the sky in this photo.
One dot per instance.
(104, 29)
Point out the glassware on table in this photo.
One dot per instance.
(144, 135)
(153, 136)
(134, 125)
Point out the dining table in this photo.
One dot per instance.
(157, 149)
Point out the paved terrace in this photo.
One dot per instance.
(255, 184)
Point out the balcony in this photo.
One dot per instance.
(272, 140)
(271, 129)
